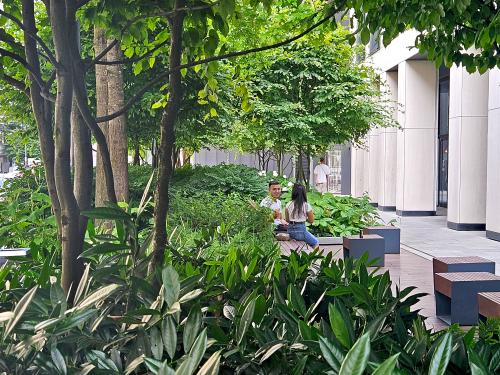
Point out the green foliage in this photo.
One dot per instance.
(27, 222)
(337, 215)
(244, 313)
(308, 97)
(212, 224)
(221, 178)
(461, 32)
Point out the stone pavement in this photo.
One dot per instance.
(429, 237)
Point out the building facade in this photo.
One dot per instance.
(444, 158)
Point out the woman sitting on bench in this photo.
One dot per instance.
(297, 212)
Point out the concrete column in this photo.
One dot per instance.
(388, 148)
(493, 162)
(468, 136)
(416, 141)
(357, 172)
(373, 165)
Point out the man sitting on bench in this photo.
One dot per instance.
(273, 203)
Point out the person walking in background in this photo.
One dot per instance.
(321, 172)
(297, 212)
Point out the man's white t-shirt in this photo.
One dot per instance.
(273, 205)
(321, 171)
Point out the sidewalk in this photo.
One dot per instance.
(429, 237)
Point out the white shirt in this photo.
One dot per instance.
(300, 216)
(321, 171)
(273, 205)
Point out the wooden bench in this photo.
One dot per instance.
(489, 304)
(391, 234)
(373, 244)
(293, 245)
(462, 264)
(9, 253)
(456, 295)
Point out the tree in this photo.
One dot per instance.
(308, 98)
(462, 32)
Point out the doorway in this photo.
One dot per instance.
(443, 131)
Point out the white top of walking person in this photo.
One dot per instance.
(321, 171)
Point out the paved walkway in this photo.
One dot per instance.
(429, 237)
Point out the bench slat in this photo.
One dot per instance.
(489, 304)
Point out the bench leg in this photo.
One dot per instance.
(443, 304)
(464, 309)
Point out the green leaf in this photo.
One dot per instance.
(137, 68)
(269, 352)
(165, 369)
(156, 343)
(477, 366)
(134, 364)
(195, 355)
(106, 213)
(171, 284)
(245, 321)
(339, 325)
(190, 296)
(296, 300)
(58, 360)
(387, 367)
(169, 334)
(103, 248)
(211, 366)
(97, 296)
(192, 328)
(82, 284)
(332, 354)
(19, 310)
(441, 356)
(365, 36)
(356, 359)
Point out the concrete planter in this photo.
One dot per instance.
(392, 237)
(373, 244)
(330, 240)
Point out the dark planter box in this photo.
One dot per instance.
(392, 237)
(373, 244)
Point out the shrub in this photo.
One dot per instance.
(27, 222)
(339, 215)
(222, 178)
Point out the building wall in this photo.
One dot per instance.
(493, 158)
(412, 150)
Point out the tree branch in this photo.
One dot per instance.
(23, 62)
(134, 20)
(20, 85)
(134, 59)
(47, 50)
(165, 74)
(9, 39)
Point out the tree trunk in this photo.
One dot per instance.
(167, 138)
(154, 154)
(42, 108)
(82, 165)
(63, 32)
(137, 154)
(279, 161)
(101, 94)
(117, 130)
